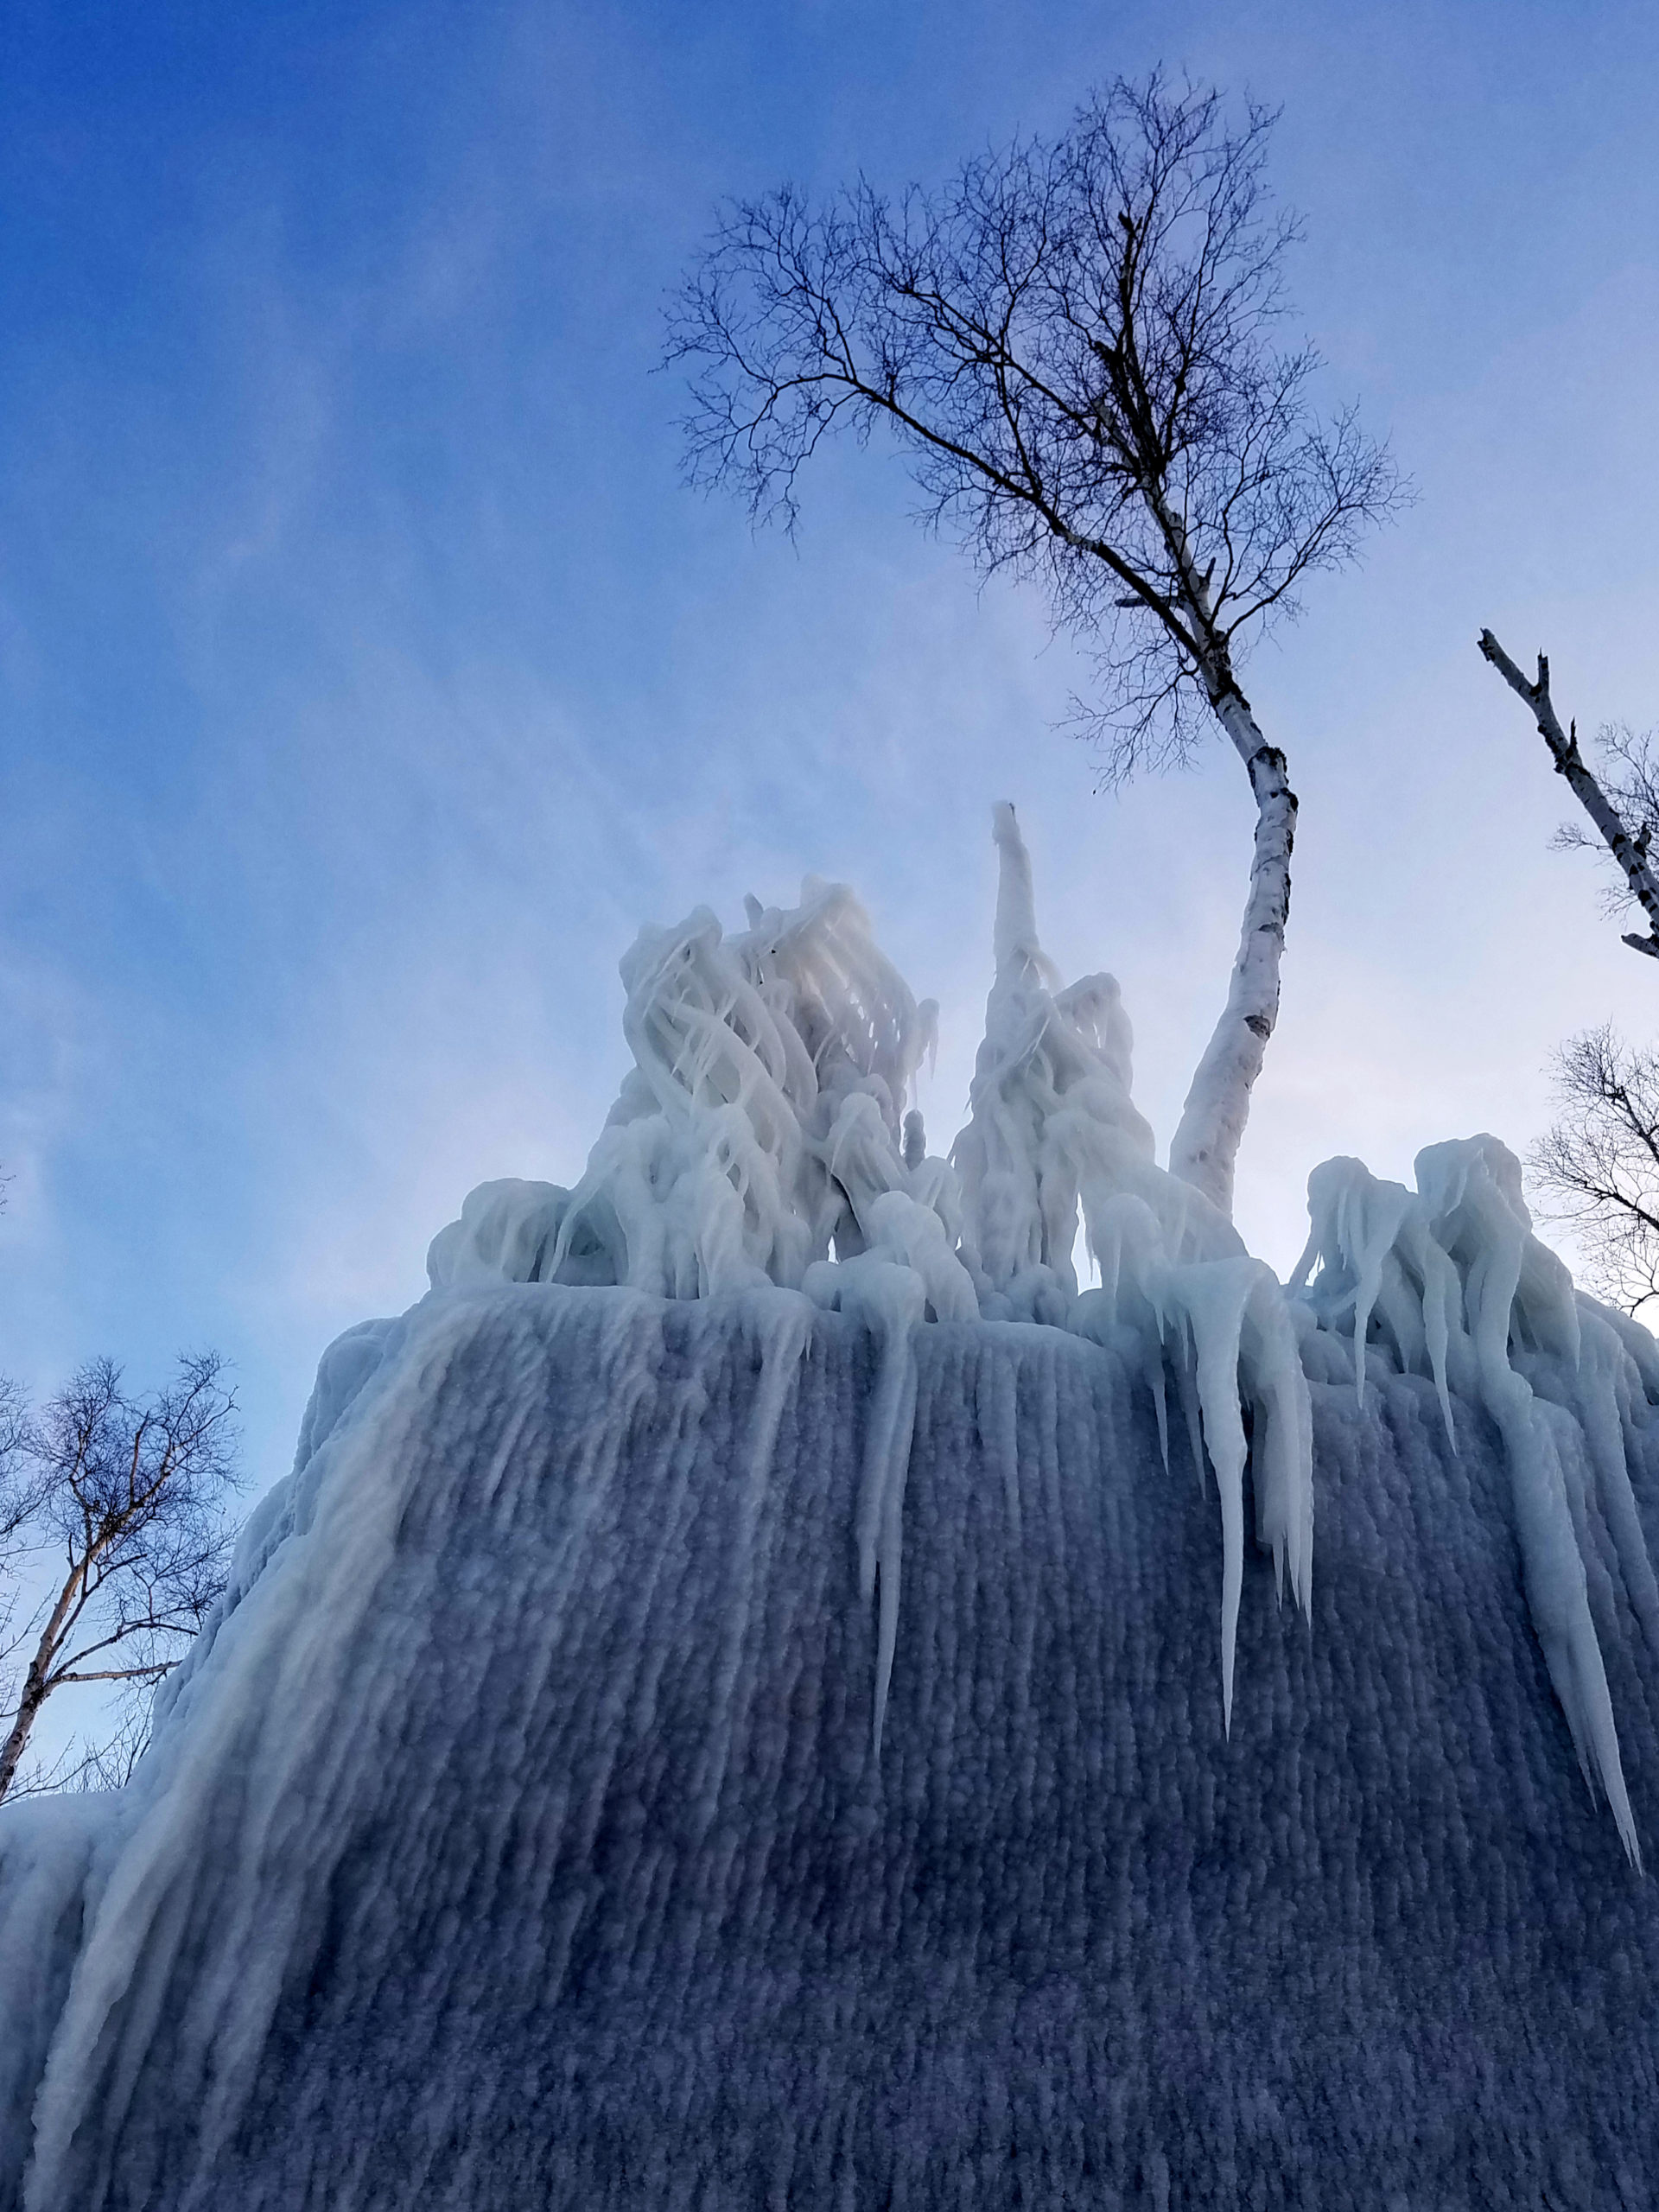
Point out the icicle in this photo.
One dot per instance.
(1474, 1190)
(1370, 1241)
(1233, 1310)
(506, 1233)
(1282, 1442)
(888, 1298)
(782, 1321)
(1597, 1386)
(1465, 1286)
(1212, 1299)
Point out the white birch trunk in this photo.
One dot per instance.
(1205, 1144)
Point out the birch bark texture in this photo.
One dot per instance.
(1074, 343)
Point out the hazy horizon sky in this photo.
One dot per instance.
(367, 678)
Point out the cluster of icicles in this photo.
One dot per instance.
(762, 1138)
(1448, 1281)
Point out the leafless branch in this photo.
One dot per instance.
(1623, 810)
(131, 1494)
(106, 1763)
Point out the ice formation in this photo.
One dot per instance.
(1053, 1130)
(764, 1136)
(514, 1836)
(1449, 1283)
(525, 1829)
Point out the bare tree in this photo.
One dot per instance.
(1072, 344)
(1623, 802)
(105, 1761)
(130, 1495)
(1599, 1165)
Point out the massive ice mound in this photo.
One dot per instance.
(583, 1797)
(762, 1137)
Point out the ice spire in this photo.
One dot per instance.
(1052, 1136)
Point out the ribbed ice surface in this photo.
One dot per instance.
(519, 1842)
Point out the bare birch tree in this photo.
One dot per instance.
(130, 1494)
(1598, 1167)
(1072, 344)
(1621, 803)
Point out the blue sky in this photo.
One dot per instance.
(366, 677)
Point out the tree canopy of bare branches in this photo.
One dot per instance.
(128, 1495)
(1599, 1165)
(1073, 345)
(1621, 803)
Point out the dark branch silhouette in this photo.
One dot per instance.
(1599, 1165)
(1625, 808)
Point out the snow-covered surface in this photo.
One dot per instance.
(727, 1710)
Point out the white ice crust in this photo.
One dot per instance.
(765, 1137)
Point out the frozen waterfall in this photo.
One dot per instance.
(762, 1137)
(727, 1710)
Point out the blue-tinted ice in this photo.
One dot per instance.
(758, 1694)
